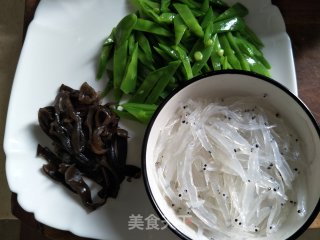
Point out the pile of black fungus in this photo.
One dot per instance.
(87, 143)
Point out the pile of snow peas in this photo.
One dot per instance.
(164, 43)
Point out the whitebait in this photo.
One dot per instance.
(232, 166)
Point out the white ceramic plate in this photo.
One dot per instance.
(62, 45)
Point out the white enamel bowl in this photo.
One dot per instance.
(238, 83)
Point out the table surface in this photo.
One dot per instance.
(302, 20)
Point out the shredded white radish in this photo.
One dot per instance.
(233, 165)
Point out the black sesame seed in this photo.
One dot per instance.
(183, 121)
(229, 118)
(209, 152)
(236, 220)
(271, 165)
(240, 223)
(274, 189)
(257, 145)
(291, 201)
(204, 169)
(297, 139)
(270, 227)
(235, 150)
(205, 165)
(249, 180)
(253, 117)
(224, 194)
(268, 167)
(186, 190)
(172, 204)
(277, 114)
(179, 195)
(256, 230)
(296, 169)
(299, 211)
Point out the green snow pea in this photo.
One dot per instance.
(185, 62)
(237, 10)
(166, 75)
(257, 66)
(179, 29)
(169, 51)
(206, 54)
(140, 111)
(232, 24)
(228, 52)
(106, 54)
(119, 64)
(151, 27)
(150, 81)
(189, 19)
(243, 62)
(216, 54)
(129, 81)
(164, 5)
(124, 28)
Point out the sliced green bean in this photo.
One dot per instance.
(252, 37)
(142, 112)
(243, 62)
(179, 29)
(105, 55)
(146, 59)
(207, 18)
(164, 5)
(129, 82)
(119, 64)
(237, 10)
(228, 52)
(206, 54)
(144, 45)
(150, 9)
(169, 51)
(150, 81)
(232, 24)
(257, 66)
(216, 53)
(151, 52)
(167, 17)
(110, 39)
(205, 5)
(185, 62)
(189, 19)
(151, 27)
(166, 76)
(131, 44)
(124, 28)
(219, 4)
(162, 54)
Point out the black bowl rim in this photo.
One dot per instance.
(172, 227)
